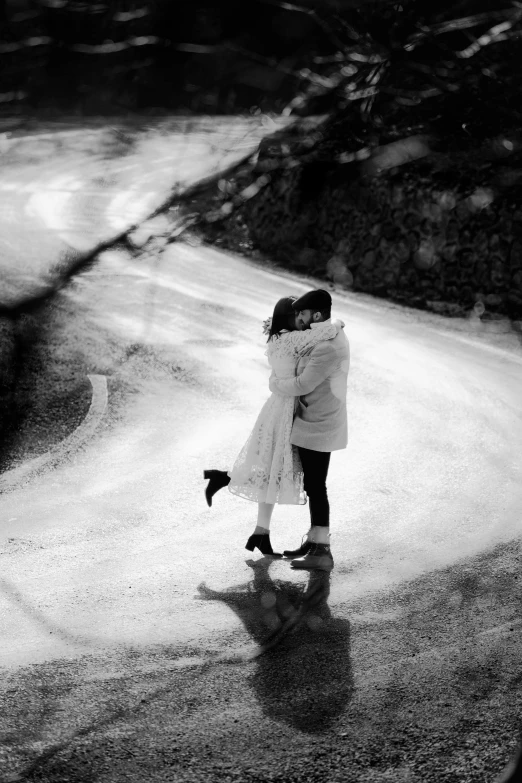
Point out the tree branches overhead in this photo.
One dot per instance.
(372, 59)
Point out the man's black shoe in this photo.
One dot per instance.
(319, 557)
(305, 547)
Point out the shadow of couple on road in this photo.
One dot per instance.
(303, 675)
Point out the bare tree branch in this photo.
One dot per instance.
(460, 24)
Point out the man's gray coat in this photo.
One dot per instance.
(321, 421)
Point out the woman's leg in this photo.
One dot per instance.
(260, 538)
(264, 516)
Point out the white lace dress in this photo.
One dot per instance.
(268, 468)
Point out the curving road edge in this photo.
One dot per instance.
(11, 479)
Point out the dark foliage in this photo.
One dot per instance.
(382, 64)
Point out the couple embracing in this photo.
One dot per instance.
(286, 457)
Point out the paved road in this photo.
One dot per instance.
(139, 639)
(69, 188)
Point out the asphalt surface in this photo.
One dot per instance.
(141, 642)
(69, 188)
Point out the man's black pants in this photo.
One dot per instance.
(315, 469)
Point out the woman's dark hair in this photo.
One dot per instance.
(283, 316)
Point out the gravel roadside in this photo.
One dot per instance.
(417, 684)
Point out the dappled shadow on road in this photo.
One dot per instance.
(39, 619)
(437, 666)
(303, 675)
(513, 772)
(44, 391)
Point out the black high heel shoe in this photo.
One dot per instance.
(261, 542)
(218, 480)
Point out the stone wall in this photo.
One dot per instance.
(442, 239)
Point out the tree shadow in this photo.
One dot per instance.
(303, 674)
(513, 772)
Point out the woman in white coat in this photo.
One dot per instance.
(268, 469)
